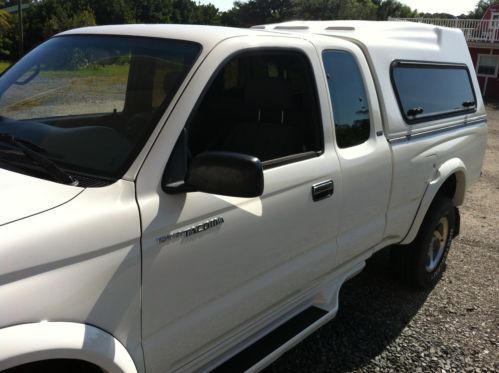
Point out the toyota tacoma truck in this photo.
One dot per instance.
(179, 198)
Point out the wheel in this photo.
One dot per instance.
(423, 262)
(56, 366)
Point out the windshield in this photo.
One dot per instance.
(90, 102)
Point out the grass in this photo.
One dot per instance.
(91, 71)
(97, 81)
(3, 66)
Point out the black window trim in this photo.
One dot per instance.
(430, 65)
(293, 158)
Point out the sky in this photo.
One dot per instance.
(455, 7)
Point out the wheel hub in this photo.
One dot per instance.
(436, 248)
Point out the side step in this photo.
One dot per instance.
(268, 348)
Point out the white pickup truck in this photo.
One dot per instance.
(190, 198)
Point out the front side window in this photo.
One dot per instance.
(88, 103)
(262, 104)
(348, 98)
(431, 91)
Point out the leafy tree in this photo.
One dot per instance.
(173, 11)
(62, 21)
(184, 11)
(152, 11)
(4, 17)
(481, 8)
(335, 9)
(394, 8)
(437, 15)
(254, 12)
(208, 15)
(48, 17)
(6, 31)
(107, 12)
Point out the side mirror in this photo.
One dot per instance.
(225, 173)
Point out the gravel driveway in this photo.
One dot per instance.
(382, 326)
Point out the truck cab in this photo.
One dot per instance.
(207, 189)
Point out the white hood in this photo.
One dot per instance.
(22, 196)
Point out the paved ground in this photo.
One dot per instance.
(52, 96)
(383, 326)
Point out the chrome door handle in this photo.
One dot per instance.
(322, 190)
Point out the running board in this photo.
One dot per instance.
(270, 347)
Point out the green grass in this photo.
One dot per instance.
(92, 71)
(3, 66)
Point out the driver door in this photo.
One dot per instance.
(207, 291)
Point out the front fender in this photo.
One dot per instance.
(452, 166)
(21, 344)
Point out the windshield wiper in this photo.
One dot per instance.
(28, 149)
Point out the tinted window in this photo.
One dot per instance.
(348, 97)
(90, 101)
(426, 92)
(262, 104)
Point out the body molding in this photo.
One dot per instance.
(453, 166)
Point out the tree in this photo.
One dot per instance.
(394, 8)
(481, 8)
(152, 11)
(6, 31)
(335, 9)
(437, 15)
(48, 17)
(184, 11)
(208, 15)
(4, 17)
(62, 20)
(108, 12)
(254, 12)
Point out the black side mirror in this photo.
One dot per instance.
(225, 173)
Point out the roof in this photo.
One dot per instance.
(371, 34)
(374, 33)
(208, 36)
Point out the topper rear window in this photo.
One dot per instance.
(428, 91)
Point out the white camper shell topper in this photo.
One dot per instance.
(177, 197)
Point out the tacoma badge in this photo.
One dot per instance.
(191, 230)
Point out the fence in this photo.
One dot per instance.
(474, 30)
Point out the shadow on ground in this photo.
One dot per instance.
(374, 309)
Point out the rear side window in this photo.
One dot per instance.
(431, 91)
(348, 98)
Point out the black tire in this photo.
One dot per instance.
(56, 366)
(423, 261)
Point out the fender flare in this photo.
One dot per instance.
(44, 340)
(448, 168)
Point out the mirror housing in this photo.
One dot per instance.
(224, 173)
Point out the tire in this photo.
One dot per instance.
(56, 366)
(423, 261)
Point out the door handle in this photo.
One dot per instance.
(322, 190)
